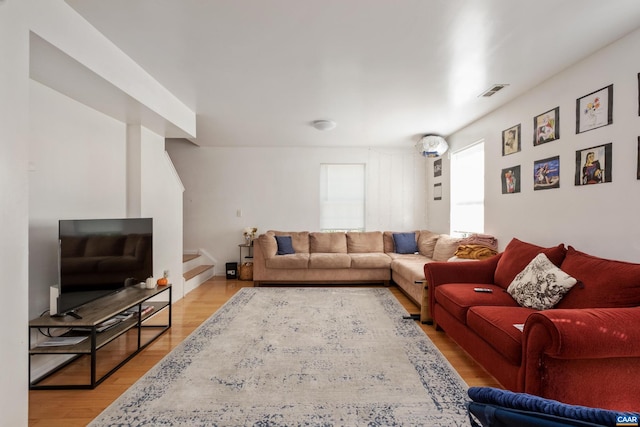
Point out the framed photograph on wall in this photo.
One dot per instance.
(594, 110)
(511, 140)
(593, 165)
(437, 168)
(546, 127)
(546, 173)
(437, 191)
(638, 167)
(510, 180)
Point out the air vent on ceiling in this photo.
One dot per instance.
(492, 90)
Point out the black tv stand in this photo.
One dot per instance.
(141, 329)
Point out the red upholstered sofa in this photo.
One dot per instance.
(584, 351)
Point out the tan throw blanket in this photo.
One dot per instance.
(481, 239)
(474, 252)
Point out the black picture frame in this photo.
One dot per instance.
(546, 127)
(546, 173)
(511, 140)
(638, 164)
(510, 178)
(437, 191)
(437, 168)
(594, 110)
(593, 165)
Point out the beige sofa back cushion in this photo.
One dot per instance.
(427, 243)
(364, 242)
(446, 247)
(328, 242)
(299, 239)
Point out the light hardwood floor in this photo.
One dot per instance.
(67, 408)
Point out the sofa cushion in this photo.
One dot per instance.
(427, 242)
(364, 242)
(299, 240)
(405, 243)
(293, 261)
(495, 325)
(445, 247)
(285, 245)
(328, 243)
(541, 285)
(329, 260)
(370, 260)
(602, 282)
(518, 254)
(457, 298)
(411, 267)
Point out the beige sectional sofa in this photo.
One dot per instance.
(352, 257)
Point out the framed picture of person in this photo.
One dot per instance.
(511, 140)
(594, 110)
(593, 165)
(437, 168)
(546, 127)
(510, 180)
(546, 173)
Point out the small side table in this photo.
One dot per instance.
(249, 248)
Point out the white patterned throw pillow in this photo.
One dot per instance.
(541, 285)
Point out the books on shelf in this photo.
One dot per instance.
(118, 318)
(134, 310)
(61, 341)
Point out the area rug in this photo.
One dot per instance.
(299, 357)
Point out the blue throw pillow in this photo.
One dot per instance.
(285, 246)
(405, 243)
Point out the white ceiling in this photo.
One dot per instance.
(258, 72)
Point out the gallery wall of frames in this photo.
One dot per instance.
(593, 165)
(562, 160)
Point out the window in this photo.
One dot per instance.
(467, 190)
(342, 197)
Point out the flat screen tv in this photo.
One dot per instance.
(98, 257)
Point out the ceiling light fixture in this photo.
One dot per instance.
(324, 124)
(432, 146)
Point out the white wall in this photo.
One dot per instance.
(14, 110)
(77, 169)
(161, 198)
(278, 188)
(598, 219)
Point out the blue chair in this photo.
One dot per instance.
(492, 407)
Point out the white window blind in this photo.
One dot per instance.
(342, 201)
(467, 190)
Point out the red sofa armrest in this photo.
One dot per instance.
(583, 356)
(592, 333)
(440, 273)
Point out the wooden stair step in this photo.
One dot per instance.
(195, 271)
(189, 257)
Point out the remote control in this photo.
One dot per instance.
(485, 290)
